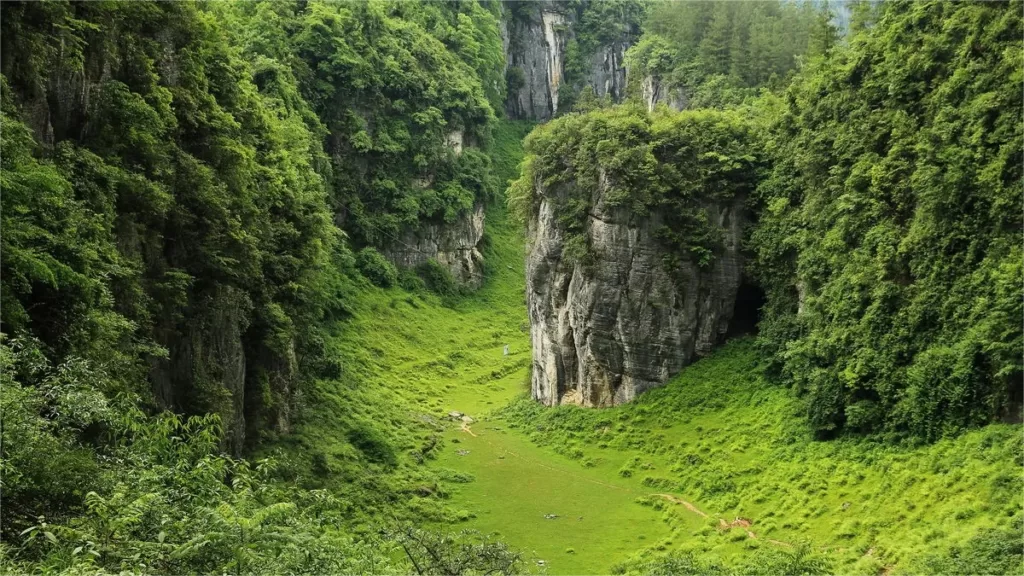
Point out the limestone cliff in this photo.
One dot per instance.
(605, 331)
(654, 91)
(536, 37)
(453, 245)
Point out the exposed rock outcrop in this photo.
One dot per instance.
(607, 71)
(654, 91)
(535, 36)
(604, 332)
(453, 245)
(207, 362)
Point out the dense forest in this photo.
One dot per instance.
(260, 260)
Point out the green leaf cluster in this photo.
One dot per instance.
(720, 53)
(889, 241)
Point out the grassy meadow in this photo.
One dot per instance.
(719, 463)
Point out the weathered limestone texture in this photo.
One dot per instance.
(604, 331)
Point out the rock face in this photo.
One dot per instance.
(535, 36)
(654, 92)
(605, 332)
(607, 72)
(454, 246)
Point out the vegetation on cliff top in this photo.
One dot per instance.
(183, 186)
(887, 239)
(672, 163)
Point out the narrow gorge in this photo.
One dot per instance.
(504, 287)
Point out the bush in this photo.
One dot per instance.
(438, 279)
(372, 444)
(376, 267)
(408, 280)
(988, 552)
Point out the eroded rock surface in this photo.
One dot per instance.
(654, 91)
(606, 331)
(454, 246)
(535, 36)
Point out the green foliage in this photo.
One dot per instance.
(376, 267)
(734, 444)
(372, 444)
(988, 552)
(186, 195)
(889, 236)
(99, 487)
(800, 560)
(670, 163)
(438, 279)
(719, 53)
(391, 101)
(599, 24)
(466, 553)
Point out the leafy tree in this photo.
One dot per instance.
(462, 554)
(719, 52)
(888, 241)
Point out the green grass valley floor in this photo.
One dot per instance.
(719, 462)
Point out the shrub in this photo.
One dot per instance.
(376, 267)
(409, 280)
(438, 279)
(372, 444)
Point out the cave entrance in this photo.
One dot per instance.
(747, 311)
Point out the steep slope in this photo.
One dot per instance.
(889, 243)
(184, 182)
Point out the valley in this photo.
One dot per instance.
(718, 437)
(500, 287)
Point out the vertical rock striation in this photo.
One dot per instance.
(654, 91)
(607, 71)
(535, 36)
(606, 331)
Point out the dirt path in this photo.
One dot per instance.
(686, 504)
(722, 523)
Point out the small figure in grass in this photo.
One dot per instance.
(506, 349)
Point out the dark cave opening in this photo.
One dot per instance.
(746, 313)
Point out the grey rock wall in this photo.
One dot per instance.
(654, 91)
(607, 71)
(535, 35)
(605, 332)
(453, 245)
